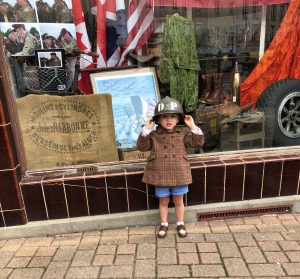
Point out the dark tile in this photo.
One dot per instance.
(234, 182)
(97, 196)
(271, 158)
(152, 199)
(252, 159)
(215, 184)
(137, 193)
(253, 181)
(196, 189)
(34, 202)
(5, 162)
(290, 177)
(14, 218)
(55, 200)
(1, 220)
(290, 157)
(76, 197)
(233, 161)
(271, 183)
(4, 117)
(9, 191)
(117, 193)
(7, 149)
(12, 149)
(214, 163)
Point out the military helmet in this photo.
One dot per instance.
(168, 105)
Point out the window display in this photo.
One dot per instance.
(201, 55)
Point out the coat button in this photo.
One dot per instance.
(166, 156)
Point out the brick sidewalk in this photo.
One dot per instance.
(256, 247)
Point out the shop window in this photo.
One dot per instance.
(273, 13)
(224, 36)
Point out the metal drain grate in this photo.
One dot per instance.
(217, 215)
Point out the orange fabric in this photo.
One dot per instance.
(281, 60)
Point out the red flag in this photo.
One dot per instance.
(101, 33)
(139, 26)
(83, 43)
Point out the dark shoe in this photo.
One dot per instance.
(162, 231)
(181, 230)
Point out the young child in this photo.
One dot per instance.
(168, 168)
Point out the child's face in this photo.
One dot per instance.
(168, 120)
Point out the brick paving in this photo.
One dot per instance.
(251, 247)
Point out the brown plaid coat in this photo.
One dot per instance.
(167, 164)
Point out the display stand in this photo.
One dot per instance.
(242, 134)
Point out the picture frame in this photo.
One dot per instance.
(135, 93)
(50, 58)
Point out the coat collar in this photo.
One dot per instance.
(160, 130)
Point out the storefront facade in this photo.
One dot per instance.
(105, 188)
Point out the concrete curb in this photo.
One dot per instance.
(132, 219)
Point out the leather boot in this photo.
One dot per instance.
(217, 95)
(208, 81)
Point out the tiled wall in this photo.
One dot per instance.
(12, 211)
(216, 178)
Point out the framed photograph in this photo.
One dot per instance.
(50, 58)
(135, 94)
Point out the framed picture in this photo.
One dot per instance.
(134, 93)
(50, 58)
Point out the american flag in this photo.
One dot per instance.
(83, 43)
(117, 34)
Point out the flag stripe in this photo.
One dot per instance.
(140, 37)
(134, 14)
(83, 43)
(101, 33)
(113, 37)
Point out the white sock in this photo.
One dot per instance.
(180, 223)
(164, 224)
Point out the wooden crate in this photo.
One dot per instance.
(132, 154)
(238, 135)
(209, 118)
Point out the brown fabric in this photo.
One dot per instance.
(69, 130)
(167, 163)
(280, 61)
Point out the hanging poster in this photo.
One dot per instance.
(134, 96)
(27, 25)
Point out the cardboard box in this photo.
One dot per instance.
(209, 118)
(132, 154)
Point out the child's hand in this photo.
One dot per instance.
(150, 123)
(189, 121)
